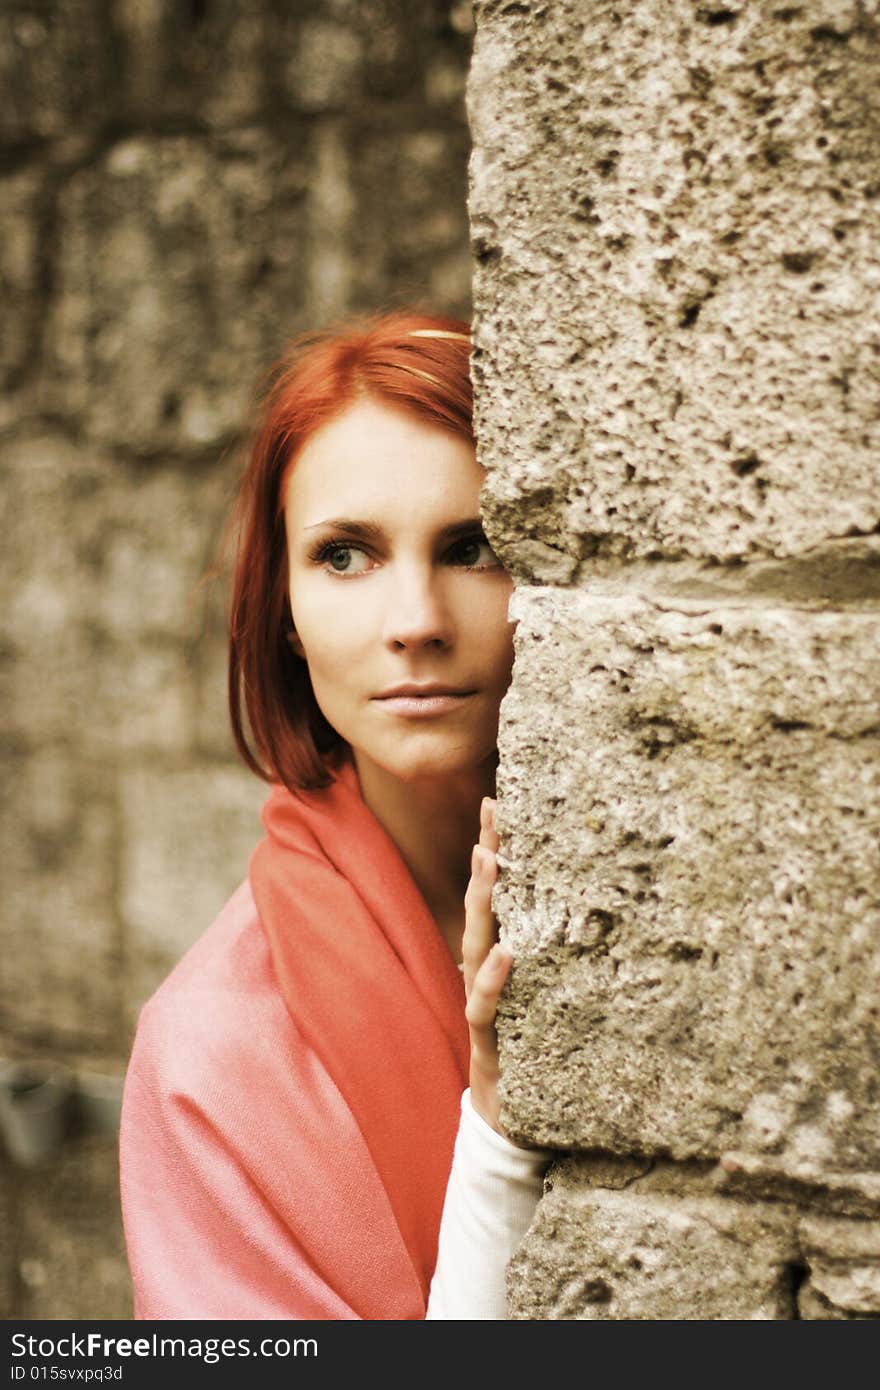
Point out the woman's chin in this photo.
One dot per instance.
(429, 763)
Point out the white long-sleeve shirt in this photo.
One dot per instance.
(493, 1190)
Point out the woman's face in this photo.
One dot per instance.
(393, 583)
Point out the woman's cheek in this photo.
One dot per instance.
(321, 618)
(333, 648)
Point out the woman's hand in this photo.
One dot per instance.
(486, 967)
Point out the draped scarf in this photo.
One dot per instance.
(372, 987)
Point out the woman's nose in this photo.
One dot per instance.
(418, 613)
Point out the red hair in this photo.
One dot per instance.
(416, 361)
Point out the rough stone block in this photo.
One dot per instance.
(171, 56)
(56, 67)
(677, 274)
(8, 1283)
(71, 1257)
(60, 984)
(175, 254)
(844, 1262)
(20, 196)
(109, 605)
(104, 699)
(209, 665)
(373, 56)
(421, 249)
(323, 71)
(688, 806)
(187, 838)
(603, 1255)
(334, 58)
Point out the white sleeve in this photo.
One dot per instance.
(493, 1190)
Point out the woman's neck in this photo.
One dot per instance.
(434, 822)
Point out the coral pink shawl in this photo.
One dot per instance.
(293, 1095)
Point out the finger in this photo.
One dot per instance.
(488, 833)
(482, 1008)
(480, 927)
(489, 981)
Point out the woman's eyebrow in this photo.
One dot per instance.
(373, 531)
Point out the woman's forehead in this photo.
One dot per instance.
(372, 458)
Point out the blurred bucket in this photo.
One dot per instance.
(36, 1109)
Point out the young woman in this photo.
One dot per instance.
(300, 1083)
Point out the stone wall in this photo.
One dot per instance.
(677, 362)
(183, 186)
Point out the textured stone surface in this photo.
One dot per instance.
(844, 1261)
(103, 599)
(599, 1254)
(162, 245)
(632, 1239)
(697, 936)
(412, 242)
(677, 371)
(217, 56)
(20, 205)
(675, 223)
(60, 984)
(56, 68)
(70, 1257)
(187, 837)
(8, 1282)
(807, 1180)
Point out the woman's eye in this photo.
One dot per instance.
(342, 559)
(475, 552)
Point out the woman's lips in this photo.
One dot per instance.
(423, 706)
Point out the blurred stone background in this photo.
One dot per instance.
(184, 186)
